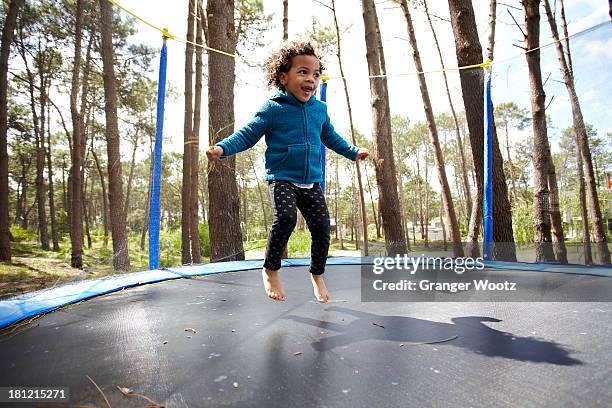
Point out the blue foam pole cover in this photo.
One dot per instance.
(154, 199)
(488, 173)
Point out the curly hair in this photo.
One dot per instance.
(280, 60)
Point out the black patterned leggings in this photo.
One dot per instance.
(286, 199)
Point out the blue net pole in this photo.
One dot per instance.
(488, 170)
(324, 99)
(154, 211)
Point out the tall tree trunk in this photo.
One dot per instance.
(384, 161)
(469, 51)
(599, 235)
(555, 216)
(555, 212)
(75, 181)
(286, 20)
(443, 225)
(224, 211)
(121, 259)
(128, 193)
(586, 236)
(196, 256)
(39, 136)
(54, 235)
(541, 150)
(41, 154)
(362, 206)
(447, 199)
(402, 206)
(427, 188)
(64, 189)
(106, 216)
(7, 38)
(464, 173)
(420, 194)
(188, 139)
(86, 213)
(374, 215)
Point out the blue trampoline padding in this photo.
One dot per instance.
(34, 303)
(595, 270)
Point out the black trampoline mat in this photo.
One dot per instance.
(248, 351)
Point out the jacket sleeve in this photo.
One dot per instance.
(334, 141)
(249, 135)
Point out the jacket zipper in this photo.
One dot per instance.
(307, 144)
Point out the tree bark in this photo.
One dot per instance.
(75, 179)
(586, 236)
(469, 51)
(599, 235)
(52, 211)
(106, 216)
(447, 199)
(464, 173)
(86, 213)
(7, 38)
(224, 203)
(541, 149)
(286, 20)
(188, 139)
(374, 214)
(121, 260)
(196, 256)
(384, 162)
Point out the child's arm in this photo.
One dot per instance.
(244, 138)
(334, 141)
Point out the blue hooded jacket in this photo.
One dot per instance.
(294, 132)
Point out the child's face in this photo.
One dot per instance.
(302, 79)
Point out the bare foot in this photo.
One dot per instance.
(320, 290)
(272, 284)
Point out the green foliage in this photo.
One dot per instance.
(204, 240)
(21, 234)
(299, 244)
(522, 222)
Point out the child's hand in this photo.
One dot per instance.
(214, 152)
(362, 153)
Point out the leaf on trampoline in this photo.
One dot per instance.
(189, 329)
(379, 325)
(125, 390)
(297, 353)
(130, 393)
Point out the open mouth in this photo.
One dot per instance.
(307, 89)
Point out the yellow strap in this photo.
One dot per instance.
(167, 34)
(324, 78)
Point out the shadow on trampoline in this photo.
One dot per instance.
(471, 334)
